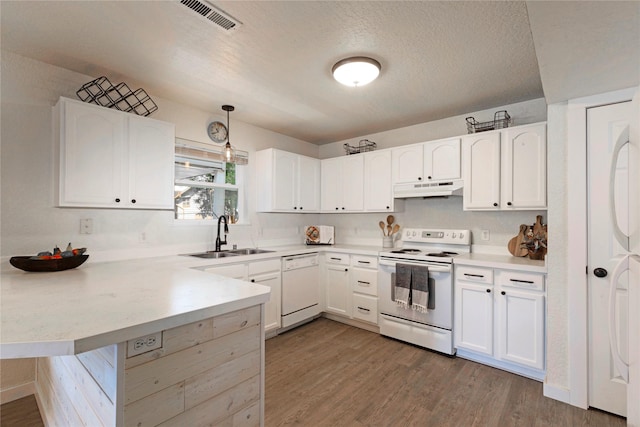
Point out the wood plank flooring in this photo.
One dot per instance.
(326, 373)
(329, 374)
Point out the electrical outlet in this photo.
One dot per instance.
(144, 344)
(484, 234)
(86, 226)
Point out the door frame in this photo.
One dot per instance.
(576, 191)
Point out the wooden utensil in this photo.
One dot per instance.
(381, 224)
(515, 243)
(390, 220)
(538, 229)
(389, 230)
(396, 228)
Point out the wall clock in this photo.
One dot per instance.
(218, 132)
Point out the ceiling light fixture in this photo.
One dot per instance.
(356, 71)
(229, 152)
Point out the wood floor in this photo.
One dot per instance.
(329, 374)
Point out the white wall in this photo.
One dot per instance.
(31, 224)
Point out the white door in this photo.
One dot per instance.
(442, 159)
(271, 307)
(378, 194)
(474, 317)
(408, 163)
(308, 184)
(285, 176)
(337, 287)
(331, 185)
(481, 171)
(608, 196)
(353, 182)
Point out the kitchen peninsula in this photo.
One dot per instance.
(91, 327)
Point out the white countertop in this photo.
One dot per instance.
(501, 261)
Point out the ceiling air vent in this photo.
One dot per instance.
(212, 13)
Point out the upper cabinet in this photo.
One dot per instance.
(342, 187)
(112, 159)
(430, 161)
(378, 189)
(288, 182)
(506, 169)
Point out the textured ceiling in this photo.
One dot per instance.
(439, 58)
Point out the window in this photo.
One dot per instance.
(205, 186)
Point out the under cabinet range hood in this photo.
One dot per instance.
(428, 189)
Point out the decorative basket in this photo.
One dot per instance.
(26, 263)
(101, 92)
(363, 146)
(501, 119)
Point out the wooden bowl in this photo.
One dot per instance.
(47, 265)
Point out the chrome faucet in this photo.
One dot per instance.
(226, 231)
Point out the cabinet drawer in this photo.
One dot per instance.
(365, 308)
(364, 261)
(335, 258)
(364, 281)
(236, 271)
(260, 267)
(521, 280)
(474, 274)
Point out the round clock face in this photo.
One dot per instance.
(217, 131)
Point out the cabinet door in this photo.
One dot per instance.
(337, 287)
(352, 184)
(91, 151)
(524, 166)
(331, 186)
(271, 307)
(481, 171)
(285, 176)
(407, 163)
(442, 159)
(473, 329)
(520, 327)
(151, 163)
(308, 182)
(378, 190)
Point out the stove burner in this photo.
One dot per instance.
(442, 254)
(405, 251)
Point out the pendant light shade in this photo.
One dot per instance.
(356, 71)
(229, 152)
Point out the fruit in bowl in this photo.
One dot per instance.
(47, 261)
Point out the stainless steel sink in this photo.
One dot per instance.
(214, 255)
(249, 251)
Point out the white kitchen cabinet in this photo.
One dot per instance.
(378, 189)
(342, 187)
(429, 161)
(263, 272)
(288, 182)
(112, 159)
(363, 276)
(499, 315)
(337, 284)
(506, 169)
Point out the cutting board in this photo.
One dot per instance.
(515, 242)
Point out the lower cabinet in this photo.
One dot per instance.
(499, 318)
(267, 273)
(351, 283)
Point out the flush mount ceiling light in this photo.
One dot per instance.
(356, 71)
(229, 152)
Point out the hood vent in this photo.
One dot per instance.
(212, 13)
(428, 189)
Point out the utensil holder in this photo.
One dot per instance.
(387, 242)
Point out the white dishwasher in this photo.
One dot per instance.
(300, 288)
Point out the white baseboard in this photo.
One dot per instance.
(557, 393)
(17, 392)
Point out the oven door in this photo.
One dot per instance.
(440, 288)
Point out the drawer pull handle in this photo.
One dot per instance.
(522, 281)
(363, 309)
(243, 324)
(336, 259)
(364, 283)
(474, 275)
(364, 262)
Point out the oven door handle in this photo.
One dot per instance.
(432, 268)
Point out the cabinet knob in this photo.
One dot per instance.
(295, 207)
(509, 203)
(495, 204)
(337, 208)
(429, 177)
(253, 280)
(133, 200)
(503, 293)
(117, 200)
(300, 207)
(600, 272)
(387, 207)
(346, 269)
(343, 208)
(419, 178)
(488, 291)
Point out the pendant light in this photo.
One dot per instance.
(229, 153)
(356, 71)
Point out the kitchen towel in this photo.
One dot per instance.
(419, 288)
(402, 285)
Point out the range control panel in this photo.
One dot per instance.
(428, 235)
